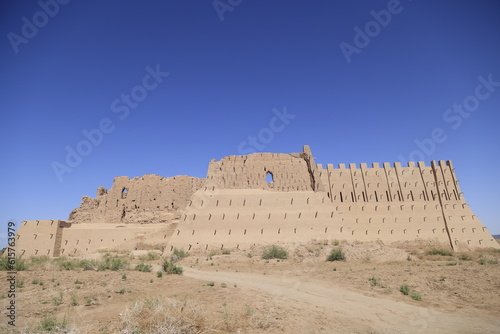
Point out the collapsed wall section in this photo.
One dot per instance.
(147, 199)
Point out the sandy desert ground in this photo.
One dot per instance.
(237, 291)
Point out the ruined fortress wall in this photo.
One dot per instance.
(419, 201)
(232, 218)
(390, 183)
(148, 199)
(379, 203)
(80, 239)
(239, 219)
(289, 172)
(236, 207)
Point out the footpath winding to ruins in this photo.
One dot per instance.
(267, 198)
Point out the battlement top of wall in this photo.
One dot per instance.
(397, 164)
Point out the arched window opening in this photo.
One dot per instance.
(269, 177)
(124, 193)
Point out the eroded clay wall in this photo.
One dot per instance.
(238, 219)
(392, 204)
(401, 203)
(147, 199)
(388, 183)
(233, 218)
(78, 239)
(39, 237)
(290, 172)
(236, 207)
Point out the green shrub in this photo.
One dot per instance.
(178, 254)
(19, 283)
(144, 267)
(39, 260)
(226, 252)
(159, 274)
(210, 284)
(7, 264)
(74, 299)
(4, 263)
(223, 285)
(66, 264)
(58, 300)
(87, 264)
(274, 252)
(415, 295)
(50, 324)
(405, 289)
(117, 263)
(20, 264)
(465, 257)
(442, 252)
(113, 263)
(150, 256)
(336, 254)
(170, 268)
(374, 281)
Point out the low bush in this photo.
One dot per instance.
(274, 252)
(415, 295)
(87, 264)
(170, 268)
(178, 254)
(405, 289)
(164, 316)
(64, 263)
(336, 254)
(50, 324)
(38, 260)
(116, 263)
(374, 281)
(150, 256)
(464, 257)
(144, 267)
(11, 264)
(439, 251)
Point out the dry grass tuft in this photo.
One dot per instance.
(158, 316)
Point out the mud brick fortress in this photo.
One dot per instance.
(265, 198)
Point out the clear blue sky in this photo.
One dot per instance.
(356, 97)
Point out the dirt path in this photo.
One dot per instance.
(352, 311)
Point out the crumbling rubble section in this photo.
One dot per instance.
(146, 199)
